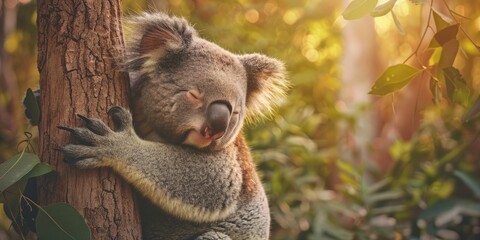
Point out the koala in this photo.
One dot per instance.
(181, 146)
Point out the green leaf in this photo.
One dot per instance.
(457, 89)
(384, 196)
(435, 57)
(438, 208)
(359, 8)
(440, 22)
(461, 208)
(39, 170)
(61, 221)
(33, 109)
(473, 112)
(15, 168)
(472, 183)
(383, 9)
(393, 79)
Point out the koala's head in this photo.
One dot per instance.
(191, 91)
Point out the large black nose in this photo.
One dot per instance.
(218, 117)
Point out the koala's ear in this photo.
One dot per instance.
(266, 84)
(152, 36)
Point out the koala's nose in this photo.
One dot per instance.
(218, 118)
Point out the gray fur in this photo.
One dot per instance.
(196, 191)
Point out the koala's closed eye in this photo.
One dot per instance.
(195, 97)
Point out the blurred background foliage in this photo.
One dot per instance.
(336, 162)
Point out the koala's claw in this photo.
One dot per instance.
(95, 125)
(121, 118)
(95, 143)
(74, 153)
(65, 128)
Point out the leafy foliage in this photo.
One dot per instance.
(55, 221)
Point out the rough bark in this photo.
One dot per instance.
(78, 42)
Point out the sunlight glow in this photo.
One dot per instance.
(291, 16)
(477, 23)
(252, 16)
(270, 7)
(403, 9)
(383, 24)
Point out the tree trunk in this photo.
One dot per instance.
(78, 43)
(9, 111)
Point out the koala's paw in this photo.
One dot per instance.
(95, 143)
(213, 236)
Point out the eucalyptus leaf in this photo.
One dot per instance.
(39, 170)
(447, 58)
(473, 112)
(438, 208)
(61, 221)
(383, 9)
(393, 79)
(440, 22)
(359, 8)
(447, 34)
(15, 168)
(384, 196)
(457, 89)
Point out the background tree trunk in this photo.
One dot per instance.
(9, 111)
(78, 43)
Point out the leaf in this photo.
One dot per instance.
(440, 22)
(359, 8)
(457, 89)
(388, 209)
(463, 208)
(397, 23)
(393, 79)
(473, 112)
(438, 208)
(32, 109)
(447, 34)
(435, 57)
(15, 168)
(447, 57)
(39, 170)
(61, 221)
(472, 183)
(384, 196)
(383, 9)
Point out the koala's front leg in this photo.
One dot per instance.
(187, 183)
(98, 145)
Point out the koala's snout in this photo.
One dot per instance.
(218, 118)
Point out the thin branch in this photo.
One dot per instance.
(430, 13)
(453, 13)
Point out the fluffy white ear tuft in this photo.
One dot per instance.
(266, 84)
(152, 36)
